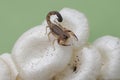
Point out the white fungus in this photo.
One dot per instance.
(6, 57)
(110, 50)
(88, 67)
(34, 57)
(8, 70)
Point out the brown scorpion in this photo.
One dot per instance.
(62, 34)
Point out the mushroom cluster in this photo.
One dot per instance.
(33, 57)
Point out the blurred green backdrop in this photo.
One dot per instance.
(17, 16)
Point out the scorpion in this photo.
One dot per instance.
(62, 34)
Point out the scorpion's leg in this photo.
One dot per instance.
(50, 40)
(49, 35)
(53, 43)
(69, 31)
(62, 43)
(46, 29)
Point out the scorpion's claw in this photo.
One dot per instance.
(66, 44)
(69, 31)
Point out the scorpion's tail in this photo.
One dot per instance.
(60, 19)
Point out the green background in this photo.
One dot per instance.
(17, 16)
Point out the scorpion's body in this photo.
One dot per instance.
(62, 34)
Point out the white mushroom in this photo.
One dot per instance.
(12, 70)
(36, 58)
(110, 50)
(87, 68)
